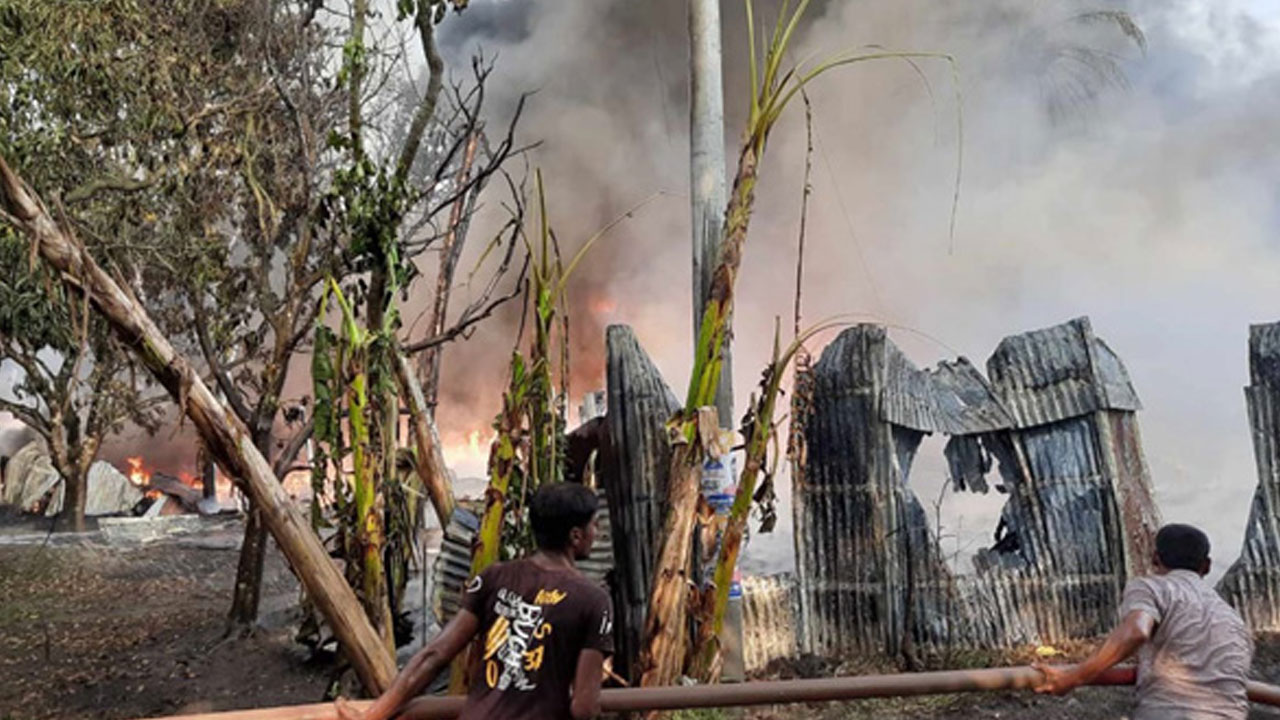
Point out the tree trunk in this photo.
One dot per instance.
(73, 503)
(225, 436)
(662, 657)
(75, 475)
(247, 595)
(380, 461)
(208, 476)
(248, 588)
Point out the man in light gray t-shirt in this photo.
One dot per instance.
(1194, 652)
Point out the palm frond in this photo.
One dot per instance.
(1122, 20)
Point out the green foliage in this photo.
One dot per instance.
(33, 306)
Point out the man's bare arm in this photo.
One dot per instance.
(1134, 630)
(421, 670)
(586, 685)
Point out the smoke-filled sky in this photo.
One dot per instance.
(1152, 209)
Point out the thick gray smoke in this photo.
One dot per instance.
(1152, 209)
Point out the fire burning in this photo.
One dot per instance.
(137, 474)
(141, 477)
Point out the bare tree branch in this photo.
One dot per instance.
(28, 416)
(229, 390)
(284, 461)
(427, 108)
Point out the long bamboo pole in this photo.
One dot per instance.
(222, 433)
(774, 692)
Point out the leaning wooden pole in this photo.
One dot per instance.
(226, 438)
(776, 692)
(429, 462)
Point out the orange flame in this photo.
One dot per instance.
(137, 475)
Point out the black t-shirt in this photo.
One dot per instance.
(533, 624)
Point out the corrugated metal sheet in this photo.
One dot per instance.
(1252, 584)
(868, 568)
(1079, 508)
(953, 398)
(768, 620)
(453, 564)
(1059, 373)
(639, 405)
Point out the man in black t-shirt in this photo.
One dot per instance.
(544, 629)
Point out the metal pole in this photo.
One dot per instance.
(707, 172)
(775, 692)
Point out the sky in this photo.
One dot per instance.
(1153, 209)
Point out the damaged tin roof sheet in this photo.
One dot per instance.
(1049, 375)
(953, 398)
(1057, 415)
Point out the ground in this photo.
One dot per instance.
(128, 630)
(89, 630)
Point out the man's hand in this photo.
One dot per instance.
(1057, 680)
(346, 711)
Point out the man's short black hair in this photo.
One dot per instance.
(1182, 547)
(558, 508)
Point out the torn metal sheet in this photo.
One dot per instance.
(639, 406)
(1057, 415)
(1059, 373)
(869, 570)
(1252, 584)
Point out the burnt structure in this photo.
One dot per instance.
(1057, 416)
(1252, 584)
(639, 405)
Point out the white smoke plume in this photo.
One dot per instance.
(1151, 208)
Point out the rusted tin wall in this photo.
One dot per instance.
(639, 405)
(1080, 516)
(870, 576)
(1252, 584)
(768, 620)
(1057, 416)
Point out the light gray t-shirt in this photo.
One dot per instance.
(1196, 664)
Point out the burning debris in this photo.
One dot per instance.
(32, 484)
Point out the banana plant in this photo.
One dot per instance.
(528, 449)
(772, 90)
(757, 430)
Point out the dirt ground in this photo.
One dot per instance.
(93, 630)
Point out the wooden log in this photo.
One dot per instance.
(774, 692)
(183, 493)
(223, 434)
(430, 466)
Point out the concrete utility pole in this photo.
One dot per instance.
(707, 200)
(707, 172)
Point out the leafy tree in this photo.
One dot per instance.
(77, 386)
